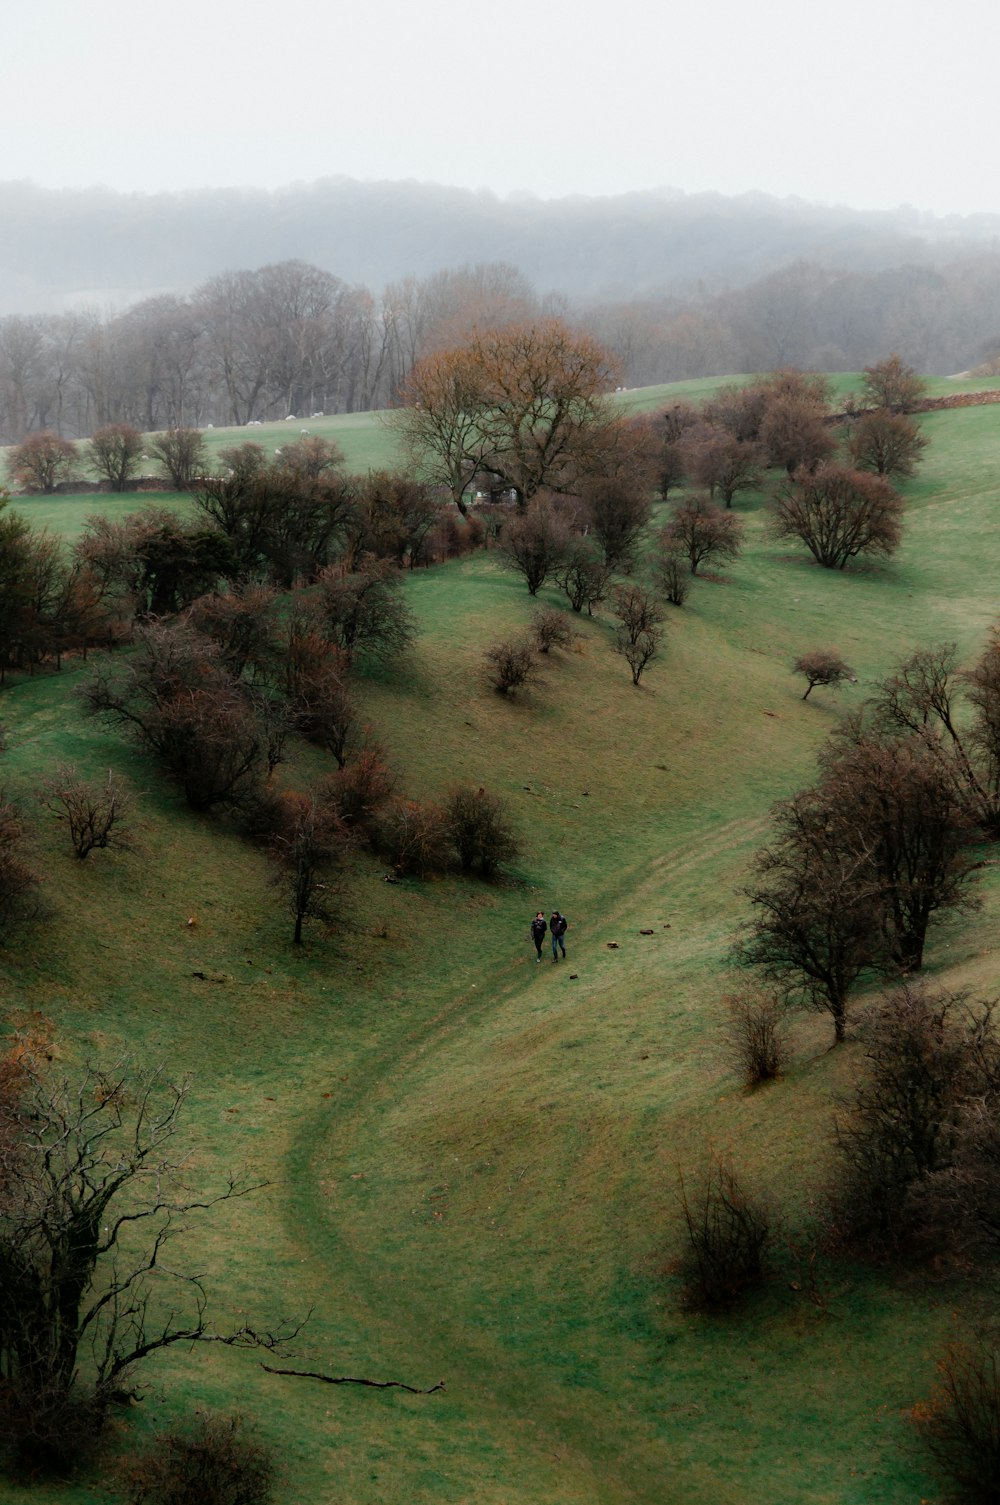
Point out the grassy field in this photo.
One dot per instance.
(471, 1159)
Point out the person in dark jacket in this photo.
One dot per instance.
(558, 925)
(538, 929)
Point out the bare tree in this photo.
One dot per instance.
(310, 844)
(365, 612)
(893, 385)
(525, 402)
(280, 524)
(636, 608)
(317, 678)
(392, 516)
(913, 1176)
(552, 629)
(739, 410)
(638, 651)
(639, 632)
(719, 462)
(183, 454)
(511, 664)
(85, 1299)
(823, 666)
(242, 623)
(583, 575)
(888, 444)
(816, 924)
(535, 543)
(702, 531)
(176, 699)
(94, 812)
(114, 451)
(894, 806)
(838, 514)
(671, 569)
(794, 435)
(42, 460)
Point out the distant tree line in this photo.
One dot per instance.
(290, 338)
(247, 345)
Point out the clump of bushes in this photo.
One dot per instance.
(214, 1460)
(472, 831)
(919, 1139)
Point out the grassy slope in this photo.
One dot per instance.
(472, 1158)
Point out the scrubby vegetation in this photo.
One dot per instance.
(467, 1161)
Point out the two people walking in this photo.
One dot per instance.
(556, 925)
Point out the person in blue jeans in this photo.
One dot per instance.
(558, 925)
(538, 929)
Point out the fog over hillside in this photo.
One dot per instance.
(63, 248)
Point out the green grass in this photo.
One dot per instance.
(472, 1159)
(366, 439)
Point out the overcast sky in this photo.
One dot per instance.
(872, 103)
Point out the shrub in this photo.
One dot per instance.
(961, 1422)
(414, 837)
(552, 629)
(510, 664)
(535, 543)
(49, 1429)
(365, 612)
(481, 831)
(214, 1461)
(755, 1037)
(672, 574)
(918, 1167)
(357, 790)
(727, 1237)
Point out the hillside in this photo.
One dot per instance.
(471, 1161)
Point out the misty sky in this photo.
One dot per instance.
(872, 103)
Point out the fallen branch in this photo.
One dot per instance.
(329, 1379)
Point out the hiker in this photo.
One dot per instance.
(558, 925)
(538, 929)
